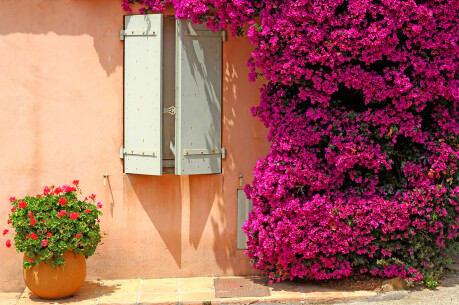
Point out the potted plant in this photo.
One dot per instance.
(56, 232)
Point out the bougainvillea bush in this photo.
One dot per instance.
(361, 100)
(48, 224)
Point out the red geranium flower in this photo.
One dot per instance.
(63, 201)
(12, 199)
(8, 243)
(76, 182)
(68, 188)
(74, 215)
(32, 219)
(57, 190)
(62, 213)
(31, 260)
(46, 190)
(99, 205)
(8, 221)
(92, 196)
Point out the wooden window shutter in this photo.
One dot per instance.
(198, 99)
(143, 56)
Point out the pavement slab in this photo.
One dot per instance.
(186, 291)
(204, 291)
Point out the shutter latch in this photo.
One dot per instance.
(172, 110)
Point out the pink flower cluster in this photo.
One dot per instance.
(362, 103)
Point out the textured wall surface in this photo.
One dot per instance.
(61, 118)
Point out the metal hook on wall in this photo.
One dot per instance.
(105, 179)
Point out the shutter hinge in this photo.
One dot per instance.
(136, 152)
(204, 151)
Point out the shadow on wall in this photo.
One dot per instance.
(169, 199)
(205, 193)
(176, 205)
(101, 19)
(245, 140)
(51, 76)
(200, 210)
(161, 198)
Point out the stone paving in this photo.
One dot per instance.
(198, 290)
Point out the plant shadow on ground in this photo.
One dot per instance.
(367, 282)
(90, 290)
(450, 279)
(352, 283)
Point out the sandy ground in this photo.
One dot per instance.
(447, 293)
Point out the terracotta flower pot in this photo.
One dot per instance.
(53, 283)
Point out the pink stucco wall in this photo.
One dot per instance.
(61, 118)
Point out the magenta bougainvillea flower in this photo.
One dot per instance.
(361, 100)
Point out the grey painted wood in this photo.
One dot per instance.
(143, 94)
(198, 99)
(244, 206)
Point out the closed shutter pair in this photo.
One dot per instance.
(198, 77)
